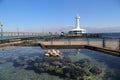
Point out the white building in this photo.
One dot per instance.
(77, 30)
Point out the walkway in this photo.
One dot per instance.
(59, 45)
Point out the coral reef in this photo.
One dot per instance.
(95, 70)
(62, 67)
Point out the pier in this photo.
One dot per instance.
(55, 41)
(106, 45)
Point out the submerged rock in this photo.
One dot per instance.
(73, 73)
(2, 61)
(62, 67)
(83, 63)
(95, 70)
(56, 63)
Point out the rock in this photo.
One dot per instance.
(56, 63)
(51, 68)
(87, 78)
(59, 71)
(67, 75)
(95, 70)
(73, 72)
(36, 65)
(2, 61)
(71, 65)
(83, 63)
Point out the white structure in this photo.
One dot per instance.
(77, 30)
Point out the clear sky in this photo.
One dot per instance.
(59, 15)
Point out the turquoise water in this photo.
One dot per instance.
(21, 63)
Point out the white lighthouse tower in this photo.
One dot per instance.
(77, 21)
(77, 30)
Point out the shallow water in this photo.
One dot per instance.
(16, 63)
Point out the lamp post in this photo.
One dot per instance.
(1, 31)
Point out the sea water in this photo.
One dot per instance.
(16, 63)
(106, 35)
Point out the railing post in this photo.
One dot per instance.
(119, 43)
(51, 41)
(69, 41)
(18, 33)
(1, 25)
(103, 42)
(88, 41)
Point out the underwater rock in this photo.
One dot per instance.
(36, 65)
(71, 65)
(2, 61)
(66, 59)
(38, 59)
(83, 63)
(95, 70)
(10, 58)
(51, 68)
(87, 78)
(73, 73)
(67, 75)
(56, 63)
(59, 71)
(43, 66)
(62, 67)
(21, 57)
(18, 63)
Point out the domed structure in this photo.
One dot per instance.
(77, 30)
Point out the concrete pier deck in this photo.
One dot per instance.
(97, 46)
(101, 49)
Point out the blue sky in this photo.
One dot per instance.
(59, 15)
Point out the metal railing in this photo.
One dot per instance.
(110, 43)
